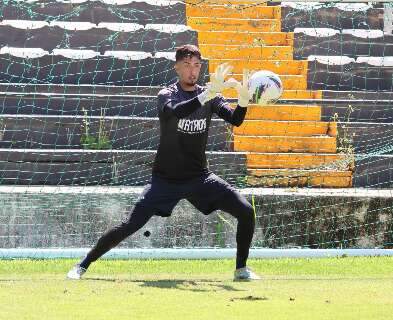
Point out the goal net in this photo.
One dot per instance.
(79, 125)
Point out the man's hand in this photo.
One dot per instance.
(217, 79)
(243, 91)
(217, 83)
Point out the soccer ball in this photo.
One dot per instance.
(266, 87)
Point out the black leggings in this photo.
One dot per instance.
(232, 202)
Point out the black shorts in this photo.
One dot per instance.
(205, 193)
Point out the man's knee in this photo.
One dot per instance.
(244, 213)
(248, 213)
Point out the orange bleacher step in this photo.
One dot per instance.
(298, 161)
(299, 178)
(287, 67)
(283, 112)
(245, 52)
(238, 25)
(286, 128)
(289, 82)
(225, 2)
(243, 38)
(301, 94)
(234, 11)
(287, 94)
(275, 144)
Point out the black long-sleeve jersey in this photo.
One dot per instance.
(184, 126)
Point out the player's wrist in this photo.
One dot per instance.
(243, 102)
(243, 97)
(203, 97)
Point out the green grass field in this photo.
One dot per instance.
(334, 288)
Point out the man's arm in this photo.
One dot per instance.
(181, 109)
(222, 108)
(168, 104)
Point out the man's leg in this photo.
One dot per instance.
(111, 238)
(157, 198)
(237, 205)
(213, 193)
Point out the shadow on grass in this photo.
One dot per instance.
(190, 285)
(200, 285)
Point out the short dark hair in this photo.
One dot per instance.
(187, 50)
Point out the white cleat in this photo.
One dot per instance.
(245, 274)
(76, 272)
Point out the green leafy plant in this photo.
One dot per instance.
(89, 141)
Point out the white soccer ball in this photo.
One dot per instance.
(266, 87)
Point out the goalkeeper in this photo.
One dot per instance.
(180, 168)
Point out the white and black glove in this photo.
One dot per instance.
(243, 92)
(217, 83)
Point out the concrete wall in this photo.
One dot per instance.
(50, 217)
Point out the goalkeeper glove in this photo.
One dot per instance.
(217, 83)
(243, 91)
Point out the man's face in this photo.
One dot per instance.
(188, 70)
